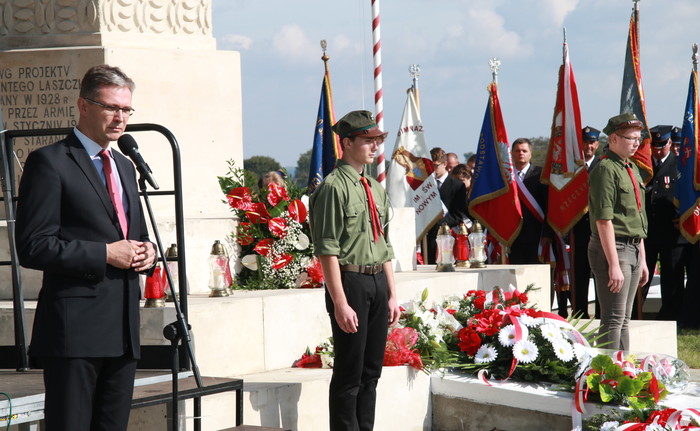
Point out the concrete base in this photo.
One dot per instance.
(463, 403)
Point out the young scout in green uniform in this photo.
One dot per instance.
(349, 217)
(618, 225)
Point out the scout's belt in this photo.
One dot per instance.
(363, 269)
(628, 239)
(623, 239)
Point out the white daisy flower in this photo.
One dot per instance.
(563, 350)
(506, 336)
(525, 351)
(486, 353)
(609, 426)
(551, 332)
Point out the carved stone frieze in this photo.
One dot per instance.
(65, 17)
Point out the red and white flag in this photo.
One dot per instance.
(564, 168)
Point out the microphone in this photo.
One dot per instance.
(128, 146)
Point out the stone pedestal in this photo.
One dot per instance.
(182, 83)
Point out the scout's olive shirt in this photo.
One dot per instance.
(340, 219)
(611, 197)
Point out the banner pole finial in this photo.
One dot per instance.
(414, 71)
(494, 65)
(695, 57)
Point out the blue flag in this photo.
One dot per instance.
(687, 193)
(494, 197)
(326, 148)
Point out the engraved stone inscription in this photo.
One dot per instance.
(38, 97)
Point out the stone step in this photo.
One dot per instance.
(297, 399)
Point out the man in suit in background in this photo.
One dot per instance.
(525, 247)
(664, 241)
(452, 161)
(581, 232)
(80, 221)
(453, 194)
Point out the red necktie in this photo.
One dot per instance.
(114, 190)
(637, 196)
(373, 213)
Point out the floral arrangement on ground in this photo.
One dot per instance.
(487, 333)
(497, 336)
(272, 232)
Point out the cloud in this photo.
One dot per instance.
(292, 44)
(558, 10)
(235, 42)
(485, 32)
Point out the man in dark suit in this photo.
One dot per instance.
(80, 221)
(664, 243)
(525, 247)
(581, 232)
(453, 194)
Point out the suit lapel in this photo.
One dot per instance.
(82, 159)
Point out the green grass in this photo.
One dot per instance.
(689, 347)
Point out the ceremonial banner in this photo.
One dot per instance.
(494, 196)
(326, 149)
(632, 98)
(687, 187)
(411, 181)
(564, 169)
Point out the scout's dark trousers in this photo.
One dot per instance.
(359, 356)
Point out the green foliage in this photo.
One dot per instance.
(539, 149)
(260, 165)
(301, 175)
(612, 385)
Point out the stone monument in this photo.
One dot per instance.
(182, 83)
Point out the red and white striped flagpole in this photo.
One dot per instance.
(378, 100)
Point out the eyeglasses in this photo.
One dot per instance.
(630, 138)
(112, 109)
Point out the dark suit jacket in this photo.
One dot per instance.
(65, 218)
(524, 248)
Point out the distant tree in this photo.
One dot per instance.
(540, 144)
(301, 177)
(260, 165)
(467, 156)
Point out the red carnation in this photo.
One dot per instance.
(469, 341)
(488, 322)
(239, 198)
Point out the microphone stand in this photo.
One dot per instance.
(179, 330)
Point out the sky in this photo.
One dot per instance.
(452, 42)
